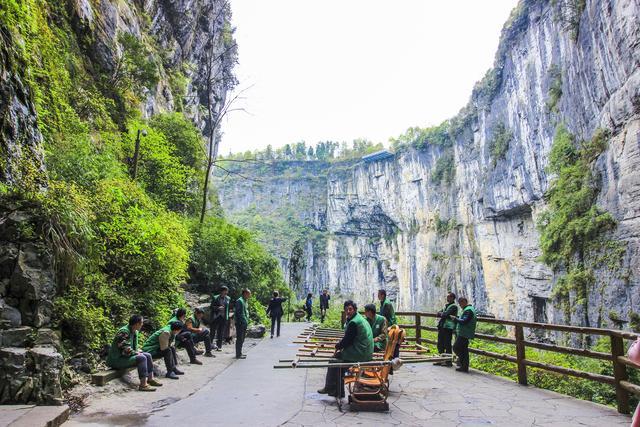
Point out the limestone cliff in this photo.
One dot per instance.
(390, 224)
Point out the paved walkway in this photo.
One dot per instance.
(251, 392)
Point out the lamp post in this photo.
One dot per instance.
(136, 153)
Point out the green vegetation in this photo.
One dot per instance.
(422, 137)
(328, 151)
(499, 143)
(120, 245)
(555, 88)
(573, 228)
(570, 14)
(443, 225)
(444, 172)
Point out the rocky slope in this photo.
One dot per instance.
(181, 36)
(390, 224)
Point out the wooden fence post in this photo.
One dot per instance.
(619, 373)
(418, 329)
(521, 356)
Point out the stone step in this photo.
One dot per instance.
(33, 416)
(103, 377)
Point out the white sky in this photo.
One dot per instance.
(344, 69)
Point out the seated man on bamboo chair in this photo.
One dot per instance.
(356, 346)
(378, 328)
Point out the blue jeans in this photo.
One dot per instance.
(144, 361)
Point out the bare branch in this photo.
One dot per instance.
(232, 172)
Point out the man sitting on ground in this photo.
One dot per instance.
(378, 328)
(198, 332)
(183, 339)
(160, 343)
(124, 353)
(355, 346)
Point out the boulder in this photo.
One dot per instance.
(30, 375)
(45, 370)
(256, 331)
(11, 315)
(15, 337)
(46, 336)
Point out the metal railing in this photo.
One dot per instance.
(619, 380)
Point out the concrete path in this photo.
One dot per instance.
(248, 393)
(33, 416)
(251, 392)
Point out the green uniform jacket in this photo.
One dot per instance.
(152, 344)
(468, 330)
(123, 350)
(448, 310)
(386, 309)
(241, 312)
(214, 301)
(378, 326)
(362, 348)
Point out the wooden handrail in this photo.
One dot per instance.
(620, 363)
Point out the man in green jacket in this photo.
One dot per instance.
(465, 331)
(219, 316)
(198, 331)
(241, 317)
(160, 343)
(446, 326)
(386, 308)
(355, 346)
(124, 353)
(378, 327)
(184, 338)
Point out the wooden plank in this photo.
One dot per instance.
(573, 372)
(495, 338)
(418, 330)
(630, 387)
(626, 361)
(504, 357)
(569, 350)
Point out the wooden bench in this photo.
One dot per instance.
(102, 377)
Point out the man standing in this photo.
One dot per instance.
(198, 332)
(324, 304)
(386, 308)
(446, 327)
(124, 352)
(378, 327)
(220, 315)
(241, 316)
(465, 331)
(275, 311)
(355, 346)
(183, 339)
(308, 306)
(160, 343)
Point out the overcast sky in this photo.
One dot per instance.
(344, 69)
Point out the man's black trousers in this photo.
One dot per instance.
(274, 320)
(444, 340)
(217, 330)
(461, 347)
(241, 331)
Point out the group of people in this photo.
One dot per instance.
(324, 305)
(181, 332)
(463, 326)
(364, 335)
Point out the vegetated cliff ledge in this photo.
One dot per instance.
(462, 214)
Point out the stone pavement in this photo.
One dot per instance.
(250, 392)
(33, 416)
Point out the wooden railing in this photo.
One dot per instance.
(619, 380)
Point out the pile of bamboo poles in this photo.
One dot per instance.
(318, 350)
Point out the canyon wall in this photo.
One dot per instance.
(390, 224)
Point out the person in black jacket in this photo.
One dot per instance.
(446, 327)
(275, 311)
(324, 304)
(308, 306)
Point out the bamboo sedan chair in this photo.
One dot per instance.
(369, 387)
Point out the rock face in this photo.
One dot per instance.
(181, 35)
(390, 224)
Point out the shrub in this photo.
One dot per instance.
(555, 88)
(499, 143)
(444, 172)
